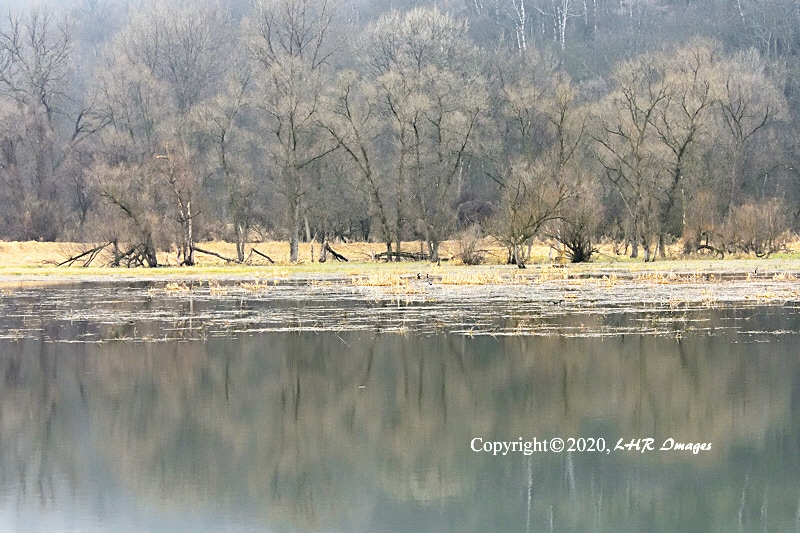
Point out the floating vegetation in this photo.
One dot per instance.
(550, 302)
(176, 287)
(481, 278)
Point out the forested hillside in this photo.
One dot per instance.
(151, 124)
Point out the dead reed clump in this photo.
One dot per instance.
(610, 281)
(378, 279)
(174, 286)
(708, 298)
(391, 283)
(256, 286)
(551, 273)
(214, 287)
(479, 278)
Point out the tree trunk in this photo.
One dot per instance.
(646, 248)
(294, 235)
(397, 247)
(518, 259)
(433, 250)
(150, 252)
(240, 238)
(188, 253)
(662, 246)
(634, 248)
(117, 254)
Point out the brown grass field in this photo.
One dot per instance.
(41, 259)
(41, 254)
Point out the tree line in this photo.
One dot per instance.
(150, 126)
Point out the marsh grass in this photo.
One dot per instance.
(481, 278)
(390, 283)
(611, 273)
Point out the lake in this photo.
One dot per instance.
(317, 406)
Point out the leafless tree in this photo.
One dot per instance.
(220, 119)
(291, 47)
(353, 117)
(36, 52)
(182, 45)
(160, 67)
(749, 103)
(539, 167)
(627, 147)
(683, 122)
(434, 96)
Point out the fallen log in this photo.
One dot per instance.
(265, 256)
(91, 253)
(215, 254)
(710, 249)
(336, 255)
(411, 256)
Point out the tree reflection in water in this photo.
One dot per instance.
(359, 431)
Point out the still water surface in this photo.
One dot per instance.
(128, 409)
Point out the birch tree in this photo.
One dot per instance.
(560, 12)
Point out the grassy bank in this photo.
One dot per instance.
(37, 260)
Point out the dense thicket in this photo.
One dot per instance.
(150, 125)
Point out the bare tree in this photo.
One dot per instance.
(133, 218)
(353, 118)
(681, 123)
(291, 46)
(749, 103)
(626, 145)
(434, 95)
(560, 12)
(174, 171)
(538, 167)
(220, 119)
(184, 46)
(158, 68)
(35, 71)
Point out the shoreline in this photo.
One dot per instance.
(664, 271)
(33, 263)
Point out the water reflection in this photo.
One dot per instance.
(358, 431)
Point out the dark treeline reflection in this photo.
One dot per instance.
(358, 432)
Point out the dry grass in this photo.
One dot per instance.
(20, 259)
(482, 278)
(31, 253)
(391, 283)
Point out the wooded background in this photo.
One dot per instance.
(151, 125)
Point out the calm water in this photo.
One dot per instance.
(124, 408)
